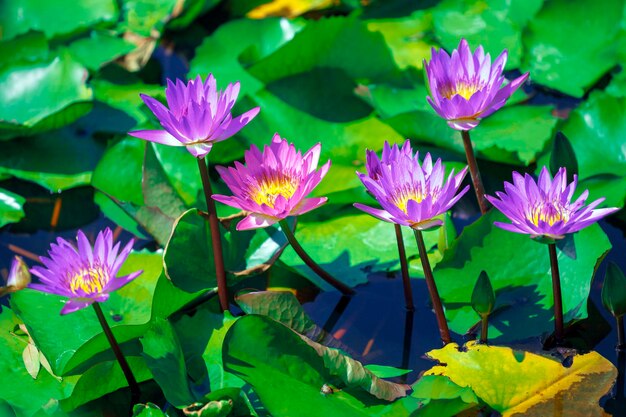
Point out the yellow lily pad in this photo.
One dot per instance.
(515, 382)
(287, 8)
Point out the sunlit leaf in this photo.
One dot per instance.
(571, 54)
(541, 386)
(519, 270)
(496, 25)
(287, 8)
(11, 207)
(54, 18)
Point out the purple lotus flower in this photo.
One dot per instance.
(198, 115)
(273, 184)
(543, 208)
(390, 154)
(466, 87)
(411, 194)
(83, 274)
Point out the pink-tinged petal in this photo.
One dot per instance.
(158, 136)
(75, 304)
(228, 200)
(256, 221)
(307, 205)
(237, 124)
(117, 283)
(381, 214)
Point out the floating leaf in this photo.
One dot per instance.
(58, 160)
(128, 311)
(147, 410)
(188, 256)
(344, 245)
(98, 49)
(406, 37)
(571, 54)
(54, 18)
(278, 357)
(519, 270)
(11, 207)
(60, 83)
(337, 42)
(287, 8)
(25, 395)
(496, 25)
(442, 397)
(164, 357)
(541, 386)
(233, 45)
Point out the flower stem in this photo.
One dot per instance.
(345, 290)
(484, 329)
(474, 172)
(404, 268)
(556, 291)
(621, 344)
(216, 240)
(432, 289)
(135, 393)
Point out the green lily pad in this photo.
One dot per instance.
(104, 378)
(98, 49)
(338, 42)
(496, 25)
(60, 83)
(406, 37)
(54, 18)
(519, 269)
(29, 47)
(24, 394)
(58, 160)
(128, 310)
(350, 247)
(188, 256)
(278, 357)
(233, 46)
(513, 135)
(164, 357)
(571, 54)
(11, 207)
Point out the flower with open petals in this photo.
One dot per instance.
(273, 185)
(389, 155)
(466, 87)
(543, 209)
(198, 115)
(83, 274)
(412, 194)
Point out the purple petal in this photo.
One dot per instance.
(158, 136)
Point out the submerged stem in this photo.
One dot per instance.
(216, 240)
(130, 378)
(432, 289)
(311, 263)
(556, 291)
(404, 268)
(474, 172)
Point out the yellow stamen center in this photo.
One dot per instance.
(463, 89)
(548, 212)
(270, 189)
(90, 280)
(403, 196)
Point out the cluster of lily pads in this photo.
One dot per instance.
(174, 329)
